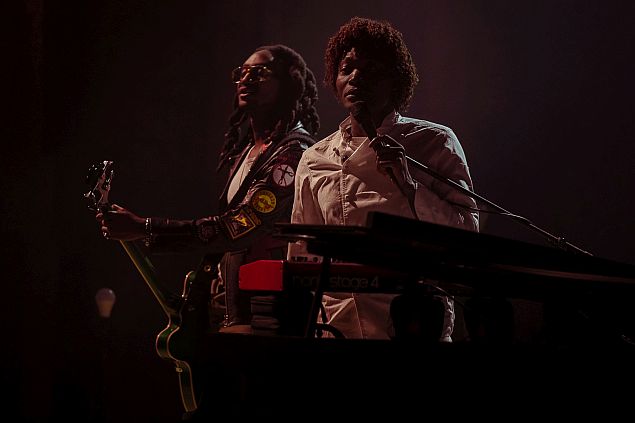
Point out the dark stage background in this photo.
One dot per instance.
(539, 93)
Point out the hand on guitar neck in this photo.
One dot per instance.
(115, 221)
(121, 224)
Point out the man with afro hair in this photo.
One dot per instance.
(362, 167)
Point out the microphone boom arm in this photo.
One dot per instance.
(555, 240)
(361, 113)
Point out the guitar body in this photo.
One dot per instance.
(188, 315)
(180, 341)
(165, 343)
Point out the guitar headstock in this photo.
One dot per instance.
(98, 179)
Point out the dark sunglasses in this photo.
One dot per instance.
(256, 73)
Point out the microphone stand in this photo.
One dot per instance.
(362, 115)
(558, 242)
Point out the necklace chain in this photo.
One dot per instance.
(249, 161)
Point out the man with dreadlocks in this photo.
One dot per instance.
(362, 167)
(273, 123)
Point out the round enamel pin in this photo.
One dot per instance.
(263, 201)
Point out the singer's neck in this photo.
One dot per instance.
(357, 129)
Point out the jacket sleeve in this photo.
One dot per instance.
(267, 201)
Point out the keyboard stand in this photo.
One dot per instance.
(311, 326)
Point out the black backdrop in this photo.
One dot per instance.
(539, 92)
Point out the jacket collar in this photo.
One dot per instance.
(261, 160)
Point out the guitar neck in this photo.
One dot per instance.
(146, 269)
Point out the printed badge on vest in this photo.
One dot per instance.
(240, 223)
(283, 175)
(264, 201)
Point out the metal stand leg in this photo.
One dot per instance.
(317, 297)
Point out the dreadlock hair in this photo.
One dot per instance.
(296, 102)
(377, 40)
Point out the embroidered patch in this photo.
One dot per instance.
(283, 175)
(240, 223)
(263, 201)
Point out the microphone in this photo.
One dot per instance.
(361, 114)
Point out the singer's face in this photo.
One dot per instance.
(257, 87)
(363, 79)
